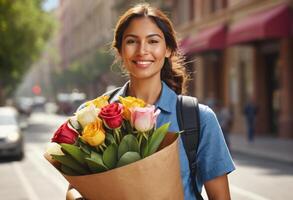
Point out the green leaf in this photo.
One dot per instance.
(84, 147)
(156, 139)
(97, 157)
(128, 143)
(68, 171)
(75, 152)
(68, 161)
(94, 166)
(110, 138)
(110, 156)
(127, 158)
(95, 163)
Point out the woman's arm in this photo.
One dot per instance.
(218, 188)
(73, 194)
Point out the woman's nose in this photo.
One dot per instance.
(142, 48)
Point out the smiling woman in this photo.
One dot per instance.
(145, 42)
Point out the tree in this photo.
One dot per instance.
(83, 75)
(24, 29)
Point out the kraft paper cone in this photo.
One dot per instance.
(156, 177)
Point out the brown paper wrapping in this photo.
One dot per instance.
(156, 177)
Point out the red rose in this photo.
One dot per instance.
(112, 115)
(64, 134)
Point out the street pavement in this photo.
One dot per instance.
(277, 149)
(256, 176)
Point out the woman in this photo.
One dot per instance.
(145, 42)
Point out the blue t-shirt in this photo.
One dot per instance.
(213, 157)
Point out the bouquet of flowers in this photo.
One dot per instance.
(101, 138)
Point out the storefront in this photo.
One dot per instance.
(268, 34)
(205, 56)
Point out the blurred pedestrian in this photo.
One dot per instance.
(225, 118)
(250, 111)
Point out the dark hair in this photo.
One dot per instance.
(173, 71)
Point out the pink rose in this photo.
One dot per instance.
(65, 134)
(112, 115)
(144, 119)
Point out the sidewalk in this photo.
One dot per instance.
(263, 146)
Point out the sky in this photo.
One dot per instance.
(50, 4)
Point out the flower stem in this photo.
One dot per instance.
(117, 134)
(139, 139)
(100, 147)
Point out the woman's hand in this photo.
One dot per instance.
(218, 188)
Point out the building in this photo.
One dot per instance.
(241, 50)
(84, 27)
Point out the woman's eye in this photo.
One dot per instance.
(130, 41)
(153, 41)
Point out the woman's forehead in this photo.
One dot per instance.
(142, 27)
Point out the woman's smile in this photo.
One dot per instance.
(142, 63)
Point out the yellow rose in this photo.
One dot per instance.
(94, 133)
(99, 102)
(130, 102)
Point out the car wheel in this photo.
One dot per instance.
(20, 156)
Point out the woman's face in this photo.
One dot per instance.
(143, 49)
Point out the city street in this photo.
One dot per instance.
(34, 178)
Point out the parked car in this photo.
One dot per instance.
(24, 105)
(68, 102)
(11, 138)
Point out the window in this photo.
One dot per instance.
(191, 9)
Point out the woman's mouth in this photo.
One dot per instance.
(142, 63)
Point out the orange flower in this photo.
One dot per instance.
(94, 133)
(130, 102)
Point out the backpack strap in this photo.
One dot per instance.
(188, 121)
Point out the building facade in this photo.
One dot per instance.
(241, 50)
(84, 27)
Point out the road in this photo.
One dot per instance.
(34, 178)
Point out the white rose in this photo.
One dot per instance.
(54, 148)
(74, 123)
(87, 115)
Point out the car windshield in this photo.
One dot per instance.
(7, 120)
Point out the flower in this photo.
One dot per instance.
(93, 133)
(87, 115)
(65, 134)
(128, 103)
(144, 119)
(84, 144)
(99, 102)
(74, 122)
(112, 115)
(54, 148)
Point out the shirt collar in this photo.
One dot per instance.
(165, 102)
(121, 92)
(167, 98)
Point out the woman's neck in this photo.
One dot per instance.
(149, 91)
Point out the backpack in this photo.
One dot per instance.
(188, 120)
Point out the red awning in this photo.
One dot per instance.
(209, 39)
(273, 23)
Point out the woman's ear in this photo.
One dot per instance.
(118, 55)
(168, 53)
